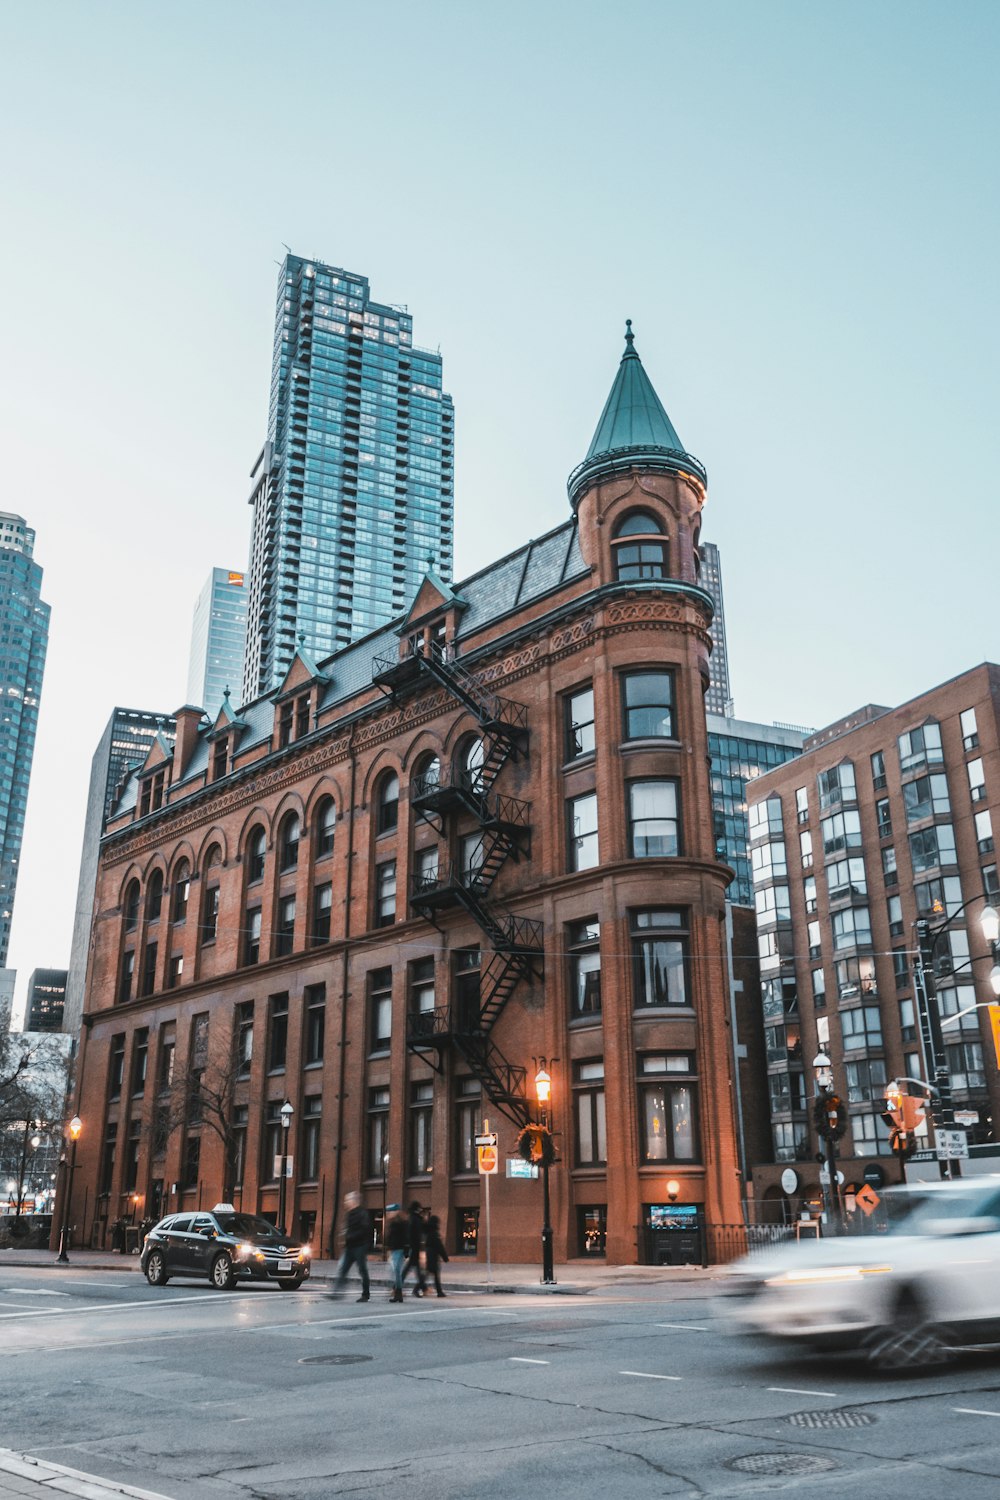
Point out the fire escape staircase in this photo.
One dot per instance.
(504, 833)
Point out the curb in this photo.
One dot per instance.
(58, 1479)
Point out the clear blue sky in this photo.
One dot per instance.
(796, 203)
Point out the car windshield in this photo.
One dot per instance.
(937, 1209)
(250, 1227)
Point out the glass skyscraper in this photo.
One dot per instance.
(218, 640)
(24, 639)
(718, 699)
(353, 492)
(740, 751)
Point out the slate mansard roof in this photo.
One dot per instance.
(513, 582)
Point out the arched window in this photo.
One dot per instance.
(210, 896)
(154, 896)
(472, 756)
(213, 858)
(182, 890)
(640, 548)
(131, 906)
(288, 842)
(387, 803)
(326, 823)
(426, 776)
(256, 855)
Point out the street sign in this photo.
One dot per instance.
(289, 1162)
(951, 1145)
(874, 1175)
(867, 1199)
(518, 1168)
(489, 1161)
(488, 1139)
(966, 1117)
(789, 1181)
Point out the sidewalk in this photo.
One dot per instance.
(25, 1478)
(575, 1278)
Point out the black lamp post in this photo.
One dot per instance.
(75, 1126)
(543, 1093)
(824, 1090)
(286, 1119)
(385, 1183)
(928, 938)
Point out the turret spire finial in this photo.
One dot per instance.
(629, 335)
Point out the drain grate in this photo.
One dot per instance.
(782, 1463)
(838, 1417)
(336, 1359)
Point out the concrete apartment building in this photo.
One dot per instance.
(887, 818)
(480, 836)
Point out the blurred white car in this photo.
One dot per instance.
(907, 1298)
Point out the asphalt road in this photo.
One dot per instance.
(201, 1395)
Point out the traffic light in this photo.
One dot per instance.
(830, 1117)
(903, 1113)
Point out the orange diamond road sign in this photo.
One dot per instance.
(867, 1199)
(488, 1160)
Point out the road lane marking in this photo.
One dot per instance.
(694, 1327)
(517, 1359)
(71, 1312)
(645, 1375)
(972, 1411)
(30, 1291)
(795, 1390)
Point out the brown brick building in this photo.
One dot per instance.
(478, 837)
(887, 819)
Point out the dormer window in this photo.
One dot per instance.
(220, 759)
(151, 796)
(641, 550)
(293, 719)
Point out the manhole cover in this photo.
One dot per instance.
(782, 1463)
(336, 1359)
(833, 1418)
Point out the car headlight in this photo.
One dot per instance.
(242, 1251)
(822, 1275)
(305, 1252)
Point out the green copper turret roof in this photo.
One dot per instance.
(634, 430)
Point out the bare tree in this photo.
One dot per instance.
(34, 1078)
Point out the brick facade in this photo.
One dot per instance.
(532, 633)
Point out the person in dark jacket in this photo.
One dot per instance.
(434, 1252)
(397, 1234)
(357, 1234)
(416, 1244)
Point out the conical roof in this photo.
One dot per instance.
(634, 429)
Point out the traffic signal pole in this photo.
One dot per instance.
(942, 1104)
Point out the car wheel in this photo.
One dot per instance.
(291, 1283)
(223, 1277)
(156, 1269)
(910, 1343)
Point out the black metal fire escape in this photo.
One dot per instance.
(504, 832)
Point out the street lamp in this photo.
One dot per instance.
(928, 937)
(543, 1093)
(286, 1119)
(385, 1180)
(75, 1126)
(823, 1068)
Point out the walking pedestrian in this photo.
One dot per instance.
(396, 1238)
(434, 1252)
(415, 1241)
(356, 1234)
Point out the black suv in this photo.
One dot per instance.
(225, 1246)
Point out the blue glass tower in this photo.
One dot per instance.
(218, 639)
(24, 639)
(353, 491)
